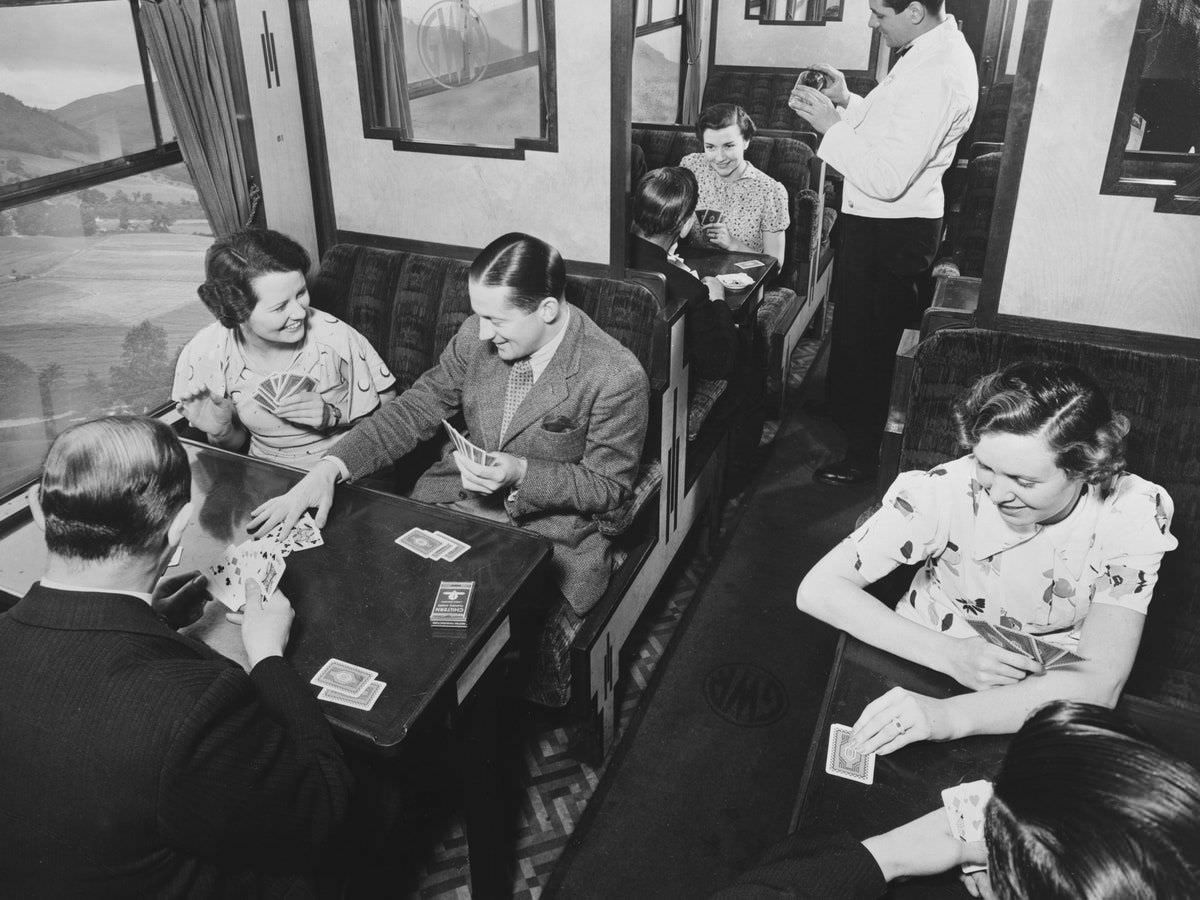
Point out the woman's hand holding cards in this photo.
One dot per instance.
(979, 665)
(717, 235)
(306, 408)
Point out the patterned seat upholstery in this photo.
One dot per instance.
(970, 226)
(1157, 391)
(409, 306)
(764, 95)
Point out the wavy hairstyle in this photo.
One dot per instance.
(1086, 807)
(529, 268)
(1056, 400)
(234, 261)
(722, 115)
(111, 486)
(663, 200)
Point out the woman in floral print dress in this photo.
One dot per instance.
(1038, 529)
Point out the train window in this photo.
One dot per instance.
(657, 72)
(472, 77)
(794, 12)
(661, 13)
(102, 235)
(1153, 152)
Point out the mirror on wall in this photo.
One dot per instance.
(794, 12)
(1153, 152)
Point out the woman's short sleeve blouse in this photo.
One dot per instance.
(753, 204)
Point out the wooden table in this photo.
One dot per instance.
(364, 599)
(908, 783)
(743, 302)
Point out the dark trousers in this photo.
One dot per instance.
(883, 285)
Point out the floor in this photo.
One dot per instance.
(553, 783)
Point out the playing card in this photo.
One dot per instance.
(1061, 658)
(840, 760)
(992, 634)
(965, 805)
(749, 264)
(226, 580)
(344, 678)
(264, 398)
(1024, 643)
(177, 556)
(304, 535)
(420, 542)
(456, 549)
(262, 561)
(466, 448)
(711, 217)
(365, 700)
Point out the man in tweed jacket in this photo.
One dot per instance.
(569, 453)
(134, 761)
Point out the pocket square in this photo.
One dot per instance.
(558, 424)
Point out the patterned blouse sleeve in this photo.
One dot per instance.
(775, 209)
(1133, 536)
(911, 525)
(369, 374)
(200, 365)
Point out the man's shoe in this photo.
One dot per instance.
(844, 473)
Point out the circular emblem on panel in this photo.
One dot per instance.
(745, 695)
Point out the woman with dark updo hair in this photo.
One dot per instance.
(271, 370)
(1038, 531)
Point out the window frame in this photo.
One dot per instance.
(548, 95)
(678, 20)
(754, 9)
(14, 505)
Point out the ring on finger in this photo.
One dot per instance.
(901, 728)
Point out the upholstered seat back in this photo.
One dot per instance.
(764, 94)
(409, 306)
(973, 223)
(1159, 393)
(784, 157)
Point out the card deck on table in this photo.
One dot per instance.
(452, 603)
(364, 701)
(344, 678)
(840, 760)
(748, 264)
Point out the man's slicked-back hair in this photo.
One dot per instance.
(663, 200)
(528, 267)
(934, 7)
(1087, 807)
(111, 487)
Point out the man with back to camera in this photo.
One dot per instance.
(892, 148)
(134, 761)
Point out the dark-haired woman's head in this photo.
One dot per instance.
(517, 285)
(663, 202)
(1085, 807)
(1039, 431)
(255, 281)
(725, 131)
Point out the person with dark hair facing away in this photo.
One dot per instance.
(256, 287)
(1038, 529)
(892, 148)
(1085, 806)
(664, 203)
(134, 761)
(559, 405)
(753, 206)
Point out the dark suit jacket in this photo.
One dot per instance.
(136, 762)
(592, 383)
(711, 336)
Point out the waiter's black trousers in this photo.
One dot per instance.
(882, 287)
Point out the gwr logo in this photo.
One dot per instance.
(745, 695)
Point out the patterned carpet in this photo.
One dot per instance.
(554, 784)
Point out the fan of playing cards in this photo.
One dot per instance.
(259, 560)
(1049, 655)
(281, 386)
(466, 448)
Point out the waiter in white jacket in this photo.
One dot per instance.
(892, 148)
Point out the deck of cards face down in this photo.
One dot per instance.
(1049, 655)
(348, 685)
(281, 386)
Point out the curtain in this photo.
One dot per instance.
(186, 44)
(391, 95)
(691, 75)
